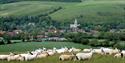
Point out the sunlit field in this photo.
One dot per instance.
(23, 47)
(29, 46)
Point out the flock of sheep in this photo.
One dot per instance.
(76, 54)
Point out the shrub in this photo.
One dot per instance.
(103, 43)
(93, 42)
(84, 41)
(120, 45)
(2, 41)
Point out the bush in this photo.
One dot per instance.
(78, 37)
(84, 41)
(103, 43)
(120, 45)
(2, 41)
(7, 38)
(93, 42)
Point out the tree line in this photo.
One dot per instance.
(103, 39)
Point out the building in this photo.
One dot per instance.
(74, 26)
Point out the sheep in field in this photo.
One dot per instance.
(123, 53)
(66, 57)
(43, 55)
(84, 56)
(87, 50)
(4, 57)
(114, 51)
(98, 51)
(118, 55)
(15, 57)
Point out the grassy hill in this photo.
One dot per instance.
(93, 11)
(28, 8)
(87, 11)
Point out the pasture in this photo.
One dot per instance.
(55, 59)
(23, 47)
(29, 46)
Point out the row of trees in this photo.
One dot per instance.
(42, 22)
(28, 23)
(106, 39)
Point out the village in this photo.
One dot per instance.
(52, 34)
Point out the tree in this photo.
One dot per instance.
(7, 38)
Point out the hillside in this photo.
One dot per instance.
(11, 1)
(93, 11)
(101, 10)
(28, 8)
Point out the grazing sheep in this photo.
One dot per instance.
(15, 57)
(123, 53)
(42, 55)
(4, 57)
(118, 55)
(74, 50)
(87, 50)
(84, 56)
(62, 50)
(107, 51)
(66, 57)
(51, 52)
(29, 56)
(98, 51)
(114, 51)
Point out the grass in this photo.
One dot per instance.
(30, 7)
(23, 47)
(55, 59)
(29, 46)
(113, 10)
(89, 11)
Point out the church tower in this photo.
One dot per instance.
(74, 27)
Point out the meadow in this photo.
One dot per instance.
(23, 47)
(29, 46)
(55, 59)
(89, 11)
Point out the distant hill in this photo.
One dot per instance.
(10, 1)
(91, 14)
(88, 11)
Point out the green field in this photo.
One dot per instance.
(55, 59)
(23, 47)
(29, 46)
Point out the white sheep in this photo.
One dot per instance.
(123, 53)
(51, 52)
(107, 50)
(98, 51)
(4, 57)
(62, 50)
(66, 57)
(42, 55)
(84, 56)
(87, 50)
(74, 50)
(15, 57)
(114, 51)
(110, 51)
(29, 56)
(118, 55)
